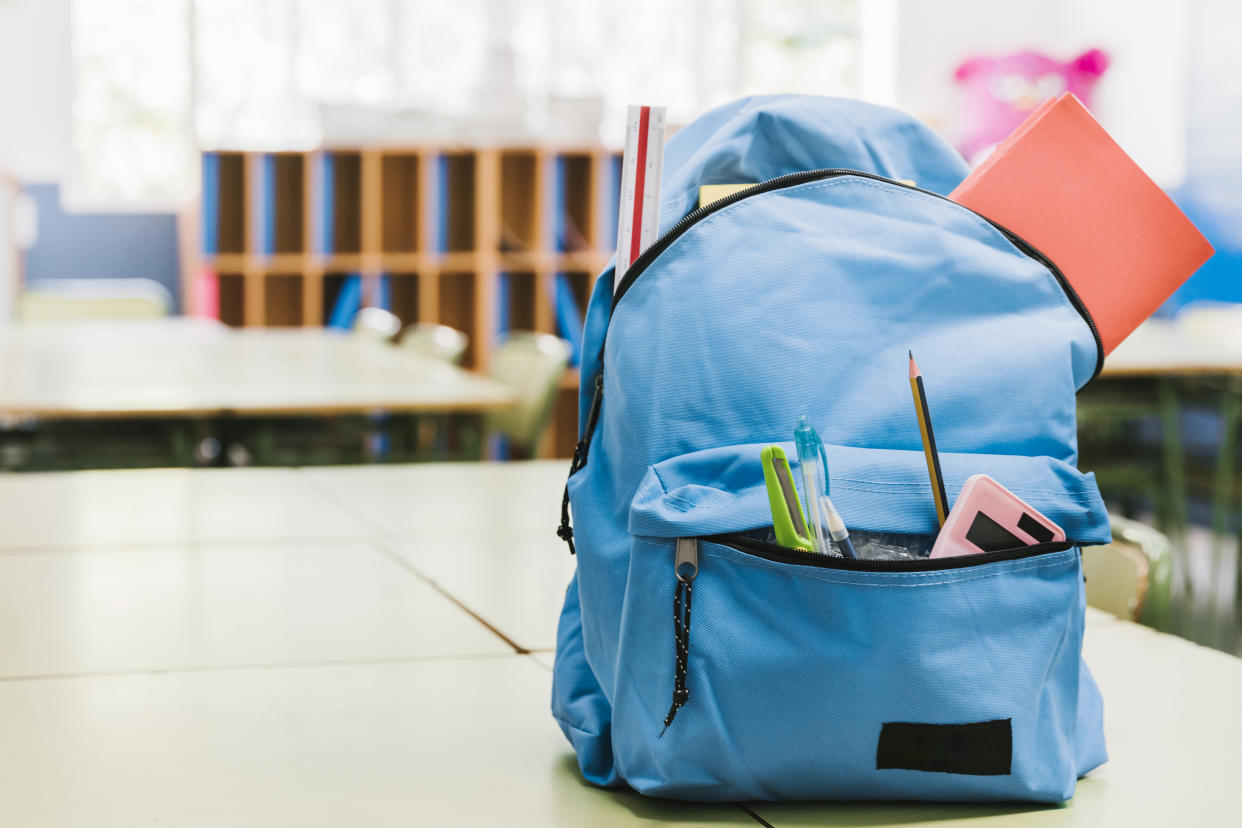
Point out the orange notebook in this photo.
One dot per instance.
(1060, 182)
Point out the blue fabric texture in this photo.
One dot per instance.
(804, 300)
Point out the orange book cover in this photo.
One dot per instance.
(1063, 184)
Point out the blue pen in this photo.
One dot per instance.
(813, 462)
(811, 459)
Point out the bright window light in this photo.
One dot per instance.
(157, 80)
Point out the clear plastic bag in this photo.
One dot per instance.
(879, 546)
(891, 546)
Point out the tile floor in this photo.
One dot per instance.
(355, 646)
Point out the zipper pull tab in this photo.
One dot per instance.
(686, 568)
(687, 565)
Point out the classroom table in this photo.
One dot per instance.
(1162, 348)
(191, 367)
(371, 645)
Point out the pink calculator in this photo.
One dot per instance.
(987, 517)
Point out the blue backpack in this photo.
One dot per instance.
(809, 676)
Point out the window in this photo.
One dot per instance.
(158, 79)
(131, 102)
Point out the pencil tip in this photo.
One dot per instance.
(914, 366)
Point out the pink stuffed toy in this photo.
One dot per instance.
(1000, 92)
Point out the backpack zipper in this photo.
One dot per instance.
(793, 179)
(787, 555)
(566, 531)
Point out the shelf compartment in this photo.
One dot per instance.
(402, 290)
(564, 423)
(573, 211)
(455, 210)
(457, 297)
(284, 203)
(282, 299)
(342, 298)
(224, 203)
(400, 199)
(231, 290)
(518, 202)
(570, 292)
(515, 302)
(341, 202)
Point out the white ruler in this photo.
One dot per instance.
(638, 220)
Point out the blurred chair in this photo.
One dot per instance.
(1129, 435)
(531, 364)
(49, 300)
(436, 341)
(1132, 576)
(375, 324)
(1219, 324)
(445, 344)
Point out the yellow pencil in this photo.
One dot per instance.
(929, 441)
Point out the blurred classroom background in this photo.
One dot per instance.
(306, 232)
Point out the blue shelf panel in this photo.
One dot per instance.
(569, 288)
(211, 203)
(611, 190)
(265, 221)
(453, 214)
(347, 303)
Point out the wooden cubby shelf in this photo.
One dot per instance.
(403, 296)
(487, 240)
(232, 291)
(401, 214)
(282, 299)
(284, 204)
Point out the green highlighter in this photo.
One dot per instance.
(787, 519)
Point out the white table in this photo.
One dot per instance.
(188, 367)
(1162, 347)
(347, 646)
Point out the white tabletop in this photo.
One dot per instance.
(184, 366)
(349, 646)
(1162, 347)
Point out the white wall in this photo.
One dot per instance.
(1141, 99)
(35, 89)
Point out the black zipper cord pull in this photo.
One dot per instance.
(566, 532)
(687, 567)
(681, 639)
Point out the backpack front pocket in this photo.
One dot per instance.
(798, 676)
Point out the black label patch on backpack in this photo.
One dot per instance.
(978, 748)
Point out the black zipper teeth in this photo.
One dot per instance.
(793, 179)
(783, 554)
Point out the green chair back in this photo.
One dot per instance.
(55, 300)
(435, 341)
(375, 324)
(1132, 576)
(532, 365)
